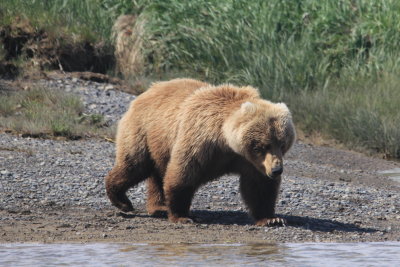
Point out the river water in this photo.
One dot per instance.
(393, 174)
(125, 254)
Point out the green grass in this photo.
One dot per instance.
(47, 113)
(279, 45)
(336, 63)
(363, 114)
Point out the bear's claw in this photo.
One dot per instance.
(276, 221)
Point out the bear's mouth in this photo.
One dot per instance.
(264, 172)
(275, 173)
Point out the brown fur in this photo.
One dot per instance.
(183, 133)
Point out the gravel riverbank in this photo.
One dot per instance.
(53, 191)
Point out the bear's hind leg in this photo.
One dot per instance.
(120, 179)
(155, 196)
(117, 183)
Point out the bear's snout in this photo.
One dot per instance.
(272, 164)
(277, 171)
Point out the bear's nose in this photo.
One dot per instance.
(277, 170)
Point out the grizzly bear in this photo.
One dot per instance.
(183, 133)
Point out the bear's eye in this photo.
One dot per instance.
(261, 148)
(266, 147)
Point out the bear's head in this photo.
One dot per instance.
(262, 132)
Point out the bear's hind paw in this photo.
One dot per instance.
(125, 207)
(180, 220)
(157, 210)
(158, 213)
(271, 222)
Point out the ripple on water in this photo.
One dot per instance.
(123, 254)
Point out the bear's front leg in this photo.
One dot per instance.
(179, 190)
(260, 194)
(179, 199)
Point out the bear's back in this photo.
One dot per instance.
(163, 99)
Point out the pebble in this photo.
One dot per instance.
(98, 98)
(72, 173)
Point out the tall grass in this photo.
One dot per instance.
(362, 113)
(336, 63)
(275, 44)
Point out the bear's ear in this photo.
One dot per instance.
(282, 110)
(283, 107)
(248, 107)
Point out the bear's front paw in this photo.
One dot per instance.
(271, 222)
(180, 220)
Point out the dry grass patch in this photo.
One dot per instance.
(48, 113)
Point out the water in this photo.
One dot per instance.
(124, 254)
(393, 174)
